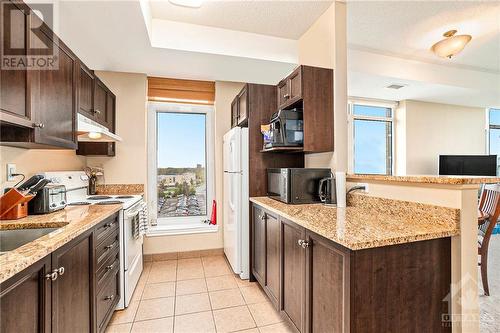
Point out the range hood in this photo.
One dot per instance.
(91, 131)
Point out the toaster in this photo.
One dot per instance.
(47, 200)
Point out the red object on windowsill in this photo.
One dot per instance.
(213, 218)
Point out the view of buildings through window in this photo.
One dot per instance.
(372, 139)
(494, 135)
(181, 164)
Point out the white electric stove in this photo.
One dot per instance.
(131, 261)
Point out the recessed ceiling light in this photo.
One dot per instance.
(451, 45)
(187, 3)
(395, 86)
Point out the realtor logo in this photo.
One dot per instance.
(25, 43)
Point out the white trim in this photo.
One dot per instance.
(153, 109)
(373, 102)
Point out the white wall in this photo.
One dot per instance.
(224, 94)
(426, 130)
(129, 164)
(324, 45)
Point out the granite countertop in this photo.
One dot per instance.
(426, 179)
(370, 222)
(71, 222)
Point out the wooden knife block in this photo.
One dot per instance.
(14, 205)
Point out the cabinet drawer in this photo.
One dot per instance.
(106, 228)
(107, 248)
(105, 272)
(106, 300)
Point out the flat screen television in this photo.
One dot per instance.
(468, 165)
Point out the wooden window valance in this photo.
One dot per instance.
(181, 91)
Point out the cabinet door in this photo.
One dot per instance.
(234, 112)
(25, 300)
(53, 93)
(259, 245)
(243, 107)
(293, 270)
(273, 258)
(86, 92)
(283, 93)
(14, 107)
(100, 101)
(327, 282)
(110, 111)
(295, 82)
(72, 290)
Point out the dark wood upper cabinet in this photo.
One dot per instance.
(283, 90)
(14, 106)
(110, 111)
(86, 91)
(72, 290)
(100, 102)
(234, 112)
(25, 301)
(243, 107)
(293, 274)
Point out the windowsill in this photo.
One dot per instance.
(171, 230)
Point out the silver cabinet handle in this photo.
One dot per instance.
(60, 270)
(300, 242)
(110, 267)
(97, 111)
(109, 247)
(107, 298)
(305, 245)
(39, 125)
(109, 225)
(286, 96)
(263, 217)
(51, 276)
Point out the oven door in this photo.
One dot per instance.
(132, 252)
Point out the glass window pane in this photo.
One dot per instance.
(372, 146)
(374, 111)
(494, 116)
(495, 145)
(181, 166)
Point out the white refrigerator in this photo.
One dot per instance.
(236, 216)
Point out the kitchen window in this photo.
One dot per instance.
(180, 167)
(371, 137)
(494, 135)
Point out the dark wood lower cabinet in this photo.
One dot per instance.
(325, 287)
(273, 258)
(259, 245)
(58, 293)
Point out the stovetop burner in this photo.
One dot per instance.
(79, 203)
(109, 202)
(99, 197)
(124, 197)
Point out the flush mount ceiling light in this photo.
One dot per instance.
(187, 3)
(451, 45)
(396, 86)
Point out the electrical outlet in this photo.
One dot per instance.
(11, 169)
(365, 185)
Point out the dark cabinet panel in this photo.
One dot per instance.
(273, 258)
(283, 93)
(14, 107)
(234, 112)
(25, 300)
(86, 91)
(295, 83)
(53, 102)
(259, 245)
(293, 273)
(243, 107)
(71, 291)
(326, 286)
(110, 111)
(100, 102)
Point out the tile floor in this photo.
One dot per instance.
(196, 295)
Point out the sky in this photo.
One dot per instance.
(181, 140)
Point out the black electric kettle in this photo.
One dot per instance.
(327, 190)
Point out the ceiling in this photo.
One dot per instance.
(410, 28)
(285, 19)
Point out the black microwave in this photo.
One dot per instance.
(295, 185)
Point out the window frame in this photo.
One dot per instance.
(351, 117)
(180, 224)
(489, 127)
